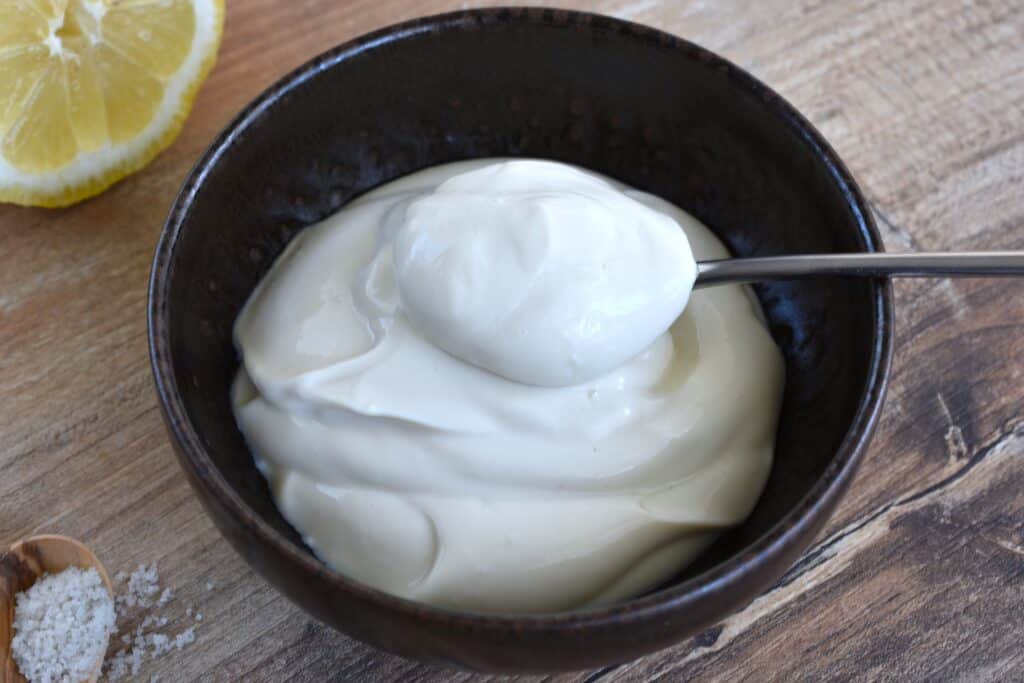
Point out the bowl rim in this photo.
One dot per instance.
(822, 495)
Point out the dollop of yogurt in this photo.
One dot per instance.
(473, 387)
(539, 272)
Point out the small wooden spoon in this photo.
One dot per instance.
(22, 566)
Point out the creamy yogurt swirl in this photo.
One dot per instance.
(473, 387)
(537, 271)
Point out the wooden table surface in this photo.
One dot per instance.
(920, 575)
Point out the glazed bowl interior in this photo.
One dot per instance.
(650, 110)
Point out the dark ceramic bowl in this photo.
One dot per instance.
(642, 106)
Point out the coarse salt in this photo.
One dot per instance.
(143, 592)
(143, 585)
(61, 626)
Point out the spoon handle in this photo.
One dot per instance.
(948, 264)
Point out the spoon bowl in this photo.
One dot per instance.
(21, 566)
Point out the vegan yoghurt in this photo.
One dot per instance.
(488, 386)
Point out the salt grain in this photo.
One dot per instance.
(144, 592)
(143, 584)
(61, 626)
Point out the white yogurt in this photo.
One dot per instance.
(537, 271)
(473, 387)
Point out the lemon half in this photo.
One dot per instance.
(92, 90)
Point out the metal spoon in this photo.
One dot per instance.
(948, 264)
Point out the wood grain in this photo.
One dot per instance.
(919, 574)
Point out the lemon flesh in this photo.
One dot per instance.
(92, 90)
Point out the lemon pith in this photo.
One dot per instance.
(92, 90)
